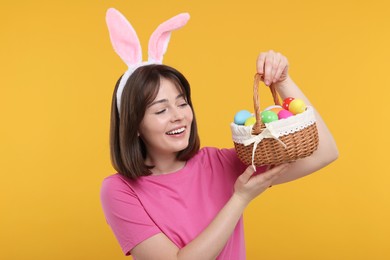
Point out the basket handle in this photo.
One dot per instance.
(256, 102)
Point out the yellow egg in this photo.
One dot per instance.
(297, 106)
(250, 121)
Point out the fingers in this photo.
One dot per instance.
(246, 175)
(271, 65)
(269, 176)
(249, 186)
(260, 63)
(283, 64)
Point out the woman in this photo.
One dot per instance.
(172, 200)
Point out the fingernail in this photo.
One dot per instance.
(267, 82)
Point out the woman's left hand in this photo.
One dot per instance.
(273, 66)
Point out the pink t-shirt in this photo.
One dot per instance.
(179, 204)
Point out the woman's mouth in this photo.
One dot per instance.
(176, 131)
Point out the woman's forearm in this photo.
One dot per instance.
(327, 149)
(209, 243)
(288, 88)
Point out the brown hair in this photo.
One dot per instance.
(128, 152)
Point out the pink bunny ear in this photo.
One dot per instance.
(123, 38)
(159, 40)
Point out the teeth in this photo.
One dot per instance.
(177, 131)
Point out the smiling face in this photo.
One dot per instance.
(166, 126)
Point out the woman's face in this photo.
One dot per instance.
(166, 126)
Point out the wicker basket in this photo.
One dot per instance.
(277, 142)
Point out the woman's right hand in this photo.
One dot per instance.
(249, 186)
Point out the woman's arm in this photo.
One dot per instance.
(274, 68)
(209, 243)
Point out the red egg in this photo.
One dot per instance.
(286, 102)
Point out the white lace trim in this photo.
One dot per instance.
(243, 134)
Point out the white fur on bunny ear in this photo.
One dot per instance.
(159, 40)
(123, 37)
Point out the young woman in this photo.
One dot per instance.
(172, 200)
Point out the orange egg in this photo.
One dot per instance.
(276, 109)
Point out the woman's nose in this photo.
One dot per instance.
(177, 114)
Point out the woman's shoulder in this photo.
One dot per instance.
(115, 184)
(113, 179)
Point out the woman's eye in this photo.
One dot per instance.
(160, 111)
(183, 104)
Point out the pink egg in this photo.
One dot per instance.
(283, 114)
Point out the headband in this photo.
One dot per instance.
(126, 44)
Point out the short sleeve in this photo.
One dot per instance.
(230, 156)
(125, 214)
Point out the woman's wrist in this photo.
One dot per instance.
(282, 84)
(240, 200)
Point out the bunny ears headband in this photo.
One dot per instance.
(126, 43)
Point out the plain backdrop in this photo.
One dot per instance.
(58, 71)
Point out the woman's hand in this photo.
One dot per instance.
(273, 66)
(249, 186)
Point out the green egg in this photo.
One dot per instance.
(268, 116)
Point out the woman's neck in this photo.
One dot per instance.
(164, 164)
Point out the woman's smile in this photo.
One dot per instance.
(177, 132)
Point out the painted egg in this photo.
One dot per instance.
(250, 121)
(268, 116)
(241, 117)
(286, 102)
(283, 114)
(274, 108)
(297, 106)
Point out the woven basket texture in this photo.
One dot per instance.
(270, 151)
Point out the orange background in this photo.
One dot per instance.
(58, 71)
